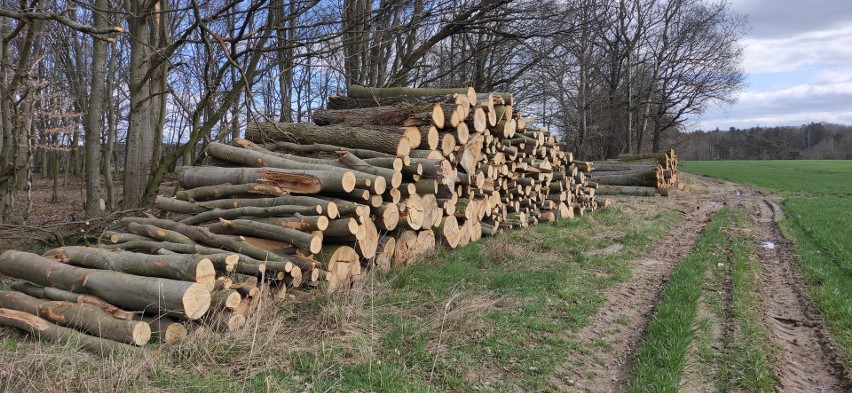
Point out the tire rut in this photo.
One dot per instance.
(805, 361)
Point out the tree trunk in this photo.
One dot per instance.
(94, 114)
(185, 299)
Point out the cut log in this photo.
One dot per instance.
(177, 267)
(329, 208)
(406, 248)
(165, 329)
(43, 329)
(225, 321)
(79, 316)
(291, 180)
(226, 299)
(182, 298)
(351, 137)
(387, 216)
(425, 243)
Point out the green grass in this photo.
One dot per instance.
(661, 356)
(818, 207)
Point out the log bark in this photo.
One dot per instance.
(351, 137)
(181, 298)
(176, 267)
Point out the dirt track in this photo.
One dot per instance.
(804, 362)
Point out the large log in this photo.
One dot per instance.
(43, 329)
(196, 268)
(181, 298)
(406, 114)
(351, 137)
(79, 316)
(292, 180)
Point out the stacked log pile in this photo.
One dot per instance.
(381, 178)
(636, 174)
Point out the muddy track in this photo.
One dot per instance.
(805, 361)
(634, 300)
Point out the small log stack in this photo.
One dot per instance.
(635, 174)
(380, 179)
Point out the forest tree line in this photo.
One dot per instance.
(814, 141)
(119, 93)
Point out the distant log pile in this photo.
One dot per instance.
(635, 174)
(381, 178)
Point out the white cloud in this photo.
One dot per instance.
(824, 48)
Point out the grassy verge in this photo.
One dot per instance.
(498, 315)
(661, 356)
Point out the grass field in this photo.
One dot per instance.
(818, 207)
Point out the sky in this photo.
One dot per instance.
(798, 64)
